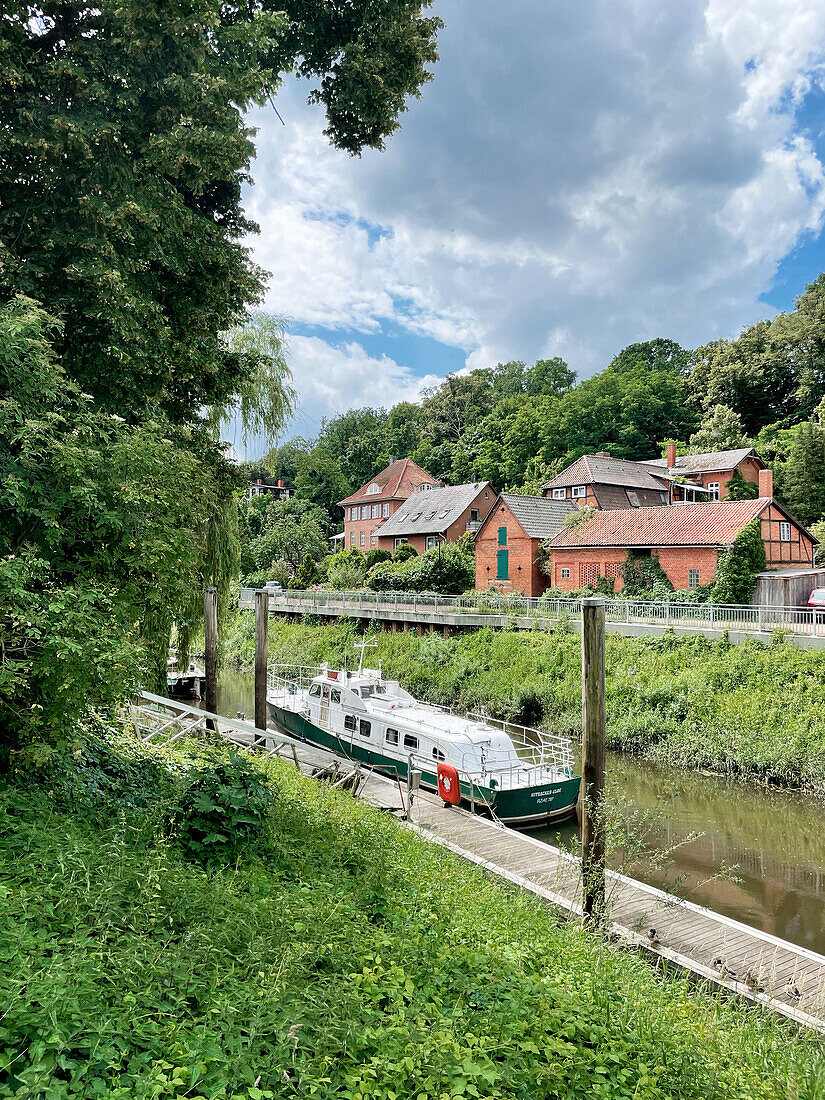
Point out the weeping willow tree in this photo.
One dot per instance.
(261, 406)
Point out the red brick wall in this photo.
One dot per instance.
(677, 560)
(581, 563)
(368, 526)
(524, 573)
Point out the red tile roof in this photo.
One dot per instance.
(395, 481)
(713, 524)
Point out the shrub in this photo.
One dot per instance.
(307, 573)
(223, 811)
(737, 569)
(449, 568)
(641, 574)
(404, 551)
(375, 556)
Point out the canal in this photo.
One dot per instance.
(759, 856)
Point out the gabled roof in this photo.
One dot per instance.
(713, 524)
(705, 463)
(538, 517)
(432, 511)
(600, 470)
(398, 480)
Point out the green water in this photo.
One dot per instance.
(760, 857)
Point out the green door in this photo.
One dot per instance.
(503, 565)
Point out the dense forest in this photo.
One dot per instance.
(517, 426)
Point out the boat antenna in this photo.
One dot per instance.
(364, 645)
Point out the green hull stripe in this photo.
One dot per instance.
(555, 799)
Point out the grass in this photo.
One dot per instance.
(345, 958)
(751, 710)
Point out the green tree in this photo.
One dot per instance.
(738, 488)
(720, 430)
(803, 484)
(292, 529)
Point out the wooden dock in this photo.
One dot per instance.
(784, 977)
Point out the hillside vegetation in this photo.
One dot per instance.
(751, 710)
(332, 954)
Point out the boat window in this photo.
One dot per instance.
(326, 692)
(410, 742)
(364, 728)
(335, 695)
(438, 755)
(349, 722)
(391, 737)
(315, 691)
(372, 689)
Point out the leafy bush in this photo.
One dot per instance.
(448, 568)
(223, 811)
(307, 572)
(739, 488)
(737, 569)
(347, 570)
(643, 577)
(375, 556)
(404, 552)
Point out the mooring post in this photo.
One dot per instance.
(593, 733)
(261, 653)
(210, 631)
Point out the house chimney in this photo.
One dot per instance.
(259, 482)
(671, 455)
(766, 483)
(280, 483)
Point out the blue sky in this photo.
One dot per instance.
(575, 178)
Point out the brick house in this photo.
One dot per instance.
(686, 539)
(377, 500)
(432, 516)
(712, 470)
(607, 482)
(278, 490)
(509, 542)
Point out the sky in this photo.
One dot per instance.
(576, 177)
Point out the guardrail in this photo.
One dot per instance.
(745, 618)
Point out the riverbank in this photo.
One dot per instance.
(343, 957)
(749, 710)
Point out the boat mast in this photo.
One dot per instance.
(364, 645)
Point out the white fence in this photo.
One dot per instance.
(744, 618)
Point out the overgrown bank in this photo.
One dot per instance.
(342, 957)
(751, 710)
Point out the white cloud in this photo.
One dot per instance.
(575, 178)
(332, 379)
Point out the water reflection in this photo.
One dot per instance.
(775, 840)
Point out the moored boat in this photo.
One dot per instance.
(523, 776)
(184, 683)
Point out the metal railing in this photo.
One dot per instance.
(740, 617)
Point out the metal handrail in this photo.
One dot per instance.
(745, 617)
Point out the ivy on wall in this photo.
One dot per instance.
(737, 568)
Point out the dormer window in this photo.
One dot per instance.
(578, 491)
(372, 489)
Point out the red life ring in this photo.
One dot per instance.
(449, 788)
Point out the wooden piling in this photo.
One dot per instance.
(261, 654)
(210, 631)
(593, 736)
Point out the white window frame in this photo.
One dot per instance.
(694, 575)
(376, 511)
(372, 540)
(713, 486)
(385, 509)
(784, 531)
(352, 538)
(399, 542)
(578, 491)
(559, 494)
(565, 572)
(432, 542)
(372, 489)
(363, 538)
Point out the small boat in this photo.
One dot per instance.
(184, 684)
(520, 775)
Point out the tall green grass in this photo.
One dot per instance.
(750, 710)
(348, 959)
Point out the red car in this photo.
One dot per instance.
(816, 601)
